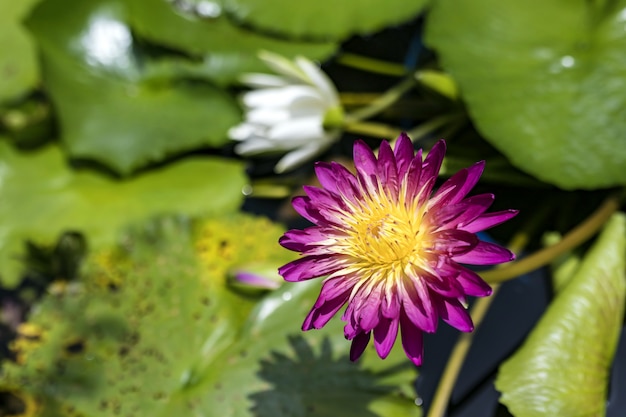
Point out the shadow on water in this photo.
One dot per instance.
(315, 385)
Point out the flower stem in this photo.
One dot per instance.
(372, 65)
(373, 129)
(383, 101)
(424, 129)
(575, 237)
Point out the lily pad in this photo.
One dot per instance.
(127, 337)
(289, 373)
(152, 329)
(41, 197)
(109, 109)
(563, 367)
(544, 82)
(223, 50)
(19, 69)
(324, 19)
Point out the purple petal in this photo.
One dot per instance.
(412, 340)
(347, 183)
(385, 336)
(404, 154)
(337, 179)
(432, 163)
(367, 184)
(462, 183)
(414, 172)
(364, 159)
(367, 306)
(473, 207)
(424, 191)
(302, 205)
(448, 189)
(310, 267)
(473, 175)
(472, 283)
(387, 173)
(320, 212)
(390, 305)
(485, 253)
(322, 197)
(457, 215)
(301, 240)
(489, 220)
(453, 242)
(335, 287)
(417, 304)
(453, 313)
(444, 282)
(326, 176)
(256, 280)
(359, 343)
(351, 329)
(327, 305)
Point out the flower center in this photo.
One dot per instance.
(384, 234)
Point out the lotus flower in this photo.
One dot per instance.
(297, 113)
(391, 249)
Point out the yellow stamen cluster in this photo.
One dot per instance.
(384, 235)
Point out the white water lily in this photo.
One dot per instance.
(296, 112)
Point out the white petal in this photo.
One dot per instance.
(264, 80)
(268, 116)
(282, 65)
(242, 131)
(297, 157)
(319, 79)
(299, 130)
(255, 146)
(308, 106)
(279, 97)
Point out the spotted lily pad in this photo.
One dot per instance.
(544, 82)
(563, 367)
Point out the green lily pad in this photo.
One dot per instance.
(324, 19)
(152, 329)
(563, 367)
(224, 50)
(544, 81)
(110, 108)
(41, 197)
(19, 69)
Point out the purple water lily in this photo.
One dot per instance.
(389, 249)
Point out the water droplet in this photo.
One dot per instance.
(107, 42)
(246, 189)
(568, 61)
(208, 9)
(419, 401)
(287, 296)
